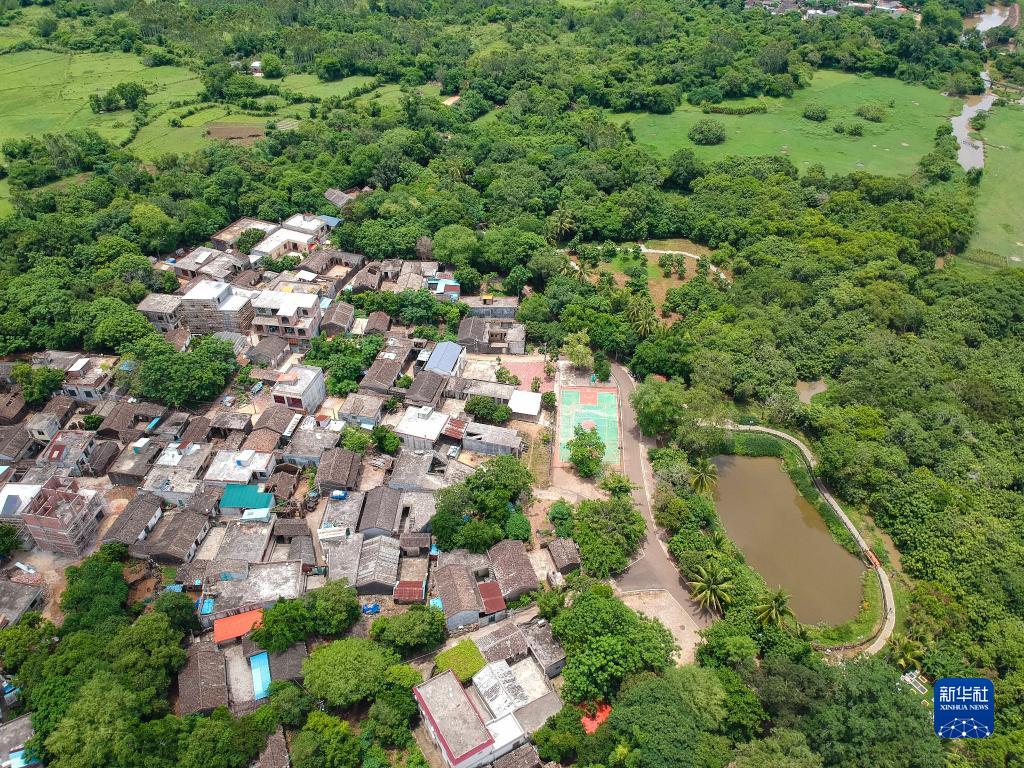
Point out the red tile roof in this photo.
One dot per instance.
(409, 591)
(491, 594)
(234, 627)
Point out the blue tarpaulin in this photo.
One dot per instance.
(260, 665)
(207, 607)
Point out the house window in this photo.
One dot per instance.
(279, 399)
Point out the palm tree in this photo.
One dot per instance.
(718, 540)
(645, 325)
(704, 477)
(711, 586)
(775, 611)
(578, 271)
(562, 222)
(905, 652)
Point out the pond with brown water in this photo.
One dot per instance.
(784, 539)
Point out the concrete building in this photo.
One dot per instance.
(341, 518)
(487, 305)
(161, 309)
(177, 473)
(308, 444)
(491, 440)
(210, 263)
(293, 316)
(455, 725)
(14, 500)
(43, 426)
(361, 409)
(240, 468)
(17, 599)
(227, 237)
(262, 586)
(14, 735)
(492, 336)
(211, 306)
(525, 406)
(282, 242)
(70, 450)
(318, 226)
(301, 388)
(64, 517)
(420, 427)
(89, 378)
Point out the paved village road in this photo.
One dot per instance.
(654, 569)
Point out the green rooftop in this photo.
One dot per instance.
(245, 497)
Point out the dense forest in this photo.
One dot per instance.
(831, 276)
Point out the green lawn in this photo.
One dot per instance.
(311, 85)
(391, 95)
(891, 147)
(999, 231)
(23, 27)
(44, 91)
(5, 198)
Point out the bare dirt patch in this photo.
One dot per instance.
(244, 134)
(659, 604)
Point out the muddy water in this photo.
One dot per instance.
(971, 153)
(807, 389)
(994, 16)
(785, 540)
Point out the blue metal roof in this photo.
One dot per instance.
(444, 357)
(332, 221)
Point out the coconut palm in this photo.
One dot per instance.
(775, 610)
(718, 540)
(703, 477)
(711, 586)
(561, 223)
(578, 271)
(905, 652)
(645, 325)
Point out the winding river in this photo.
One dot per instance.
(784, 539)
(972, 152)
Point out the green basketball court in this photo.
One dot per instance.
(592, 408)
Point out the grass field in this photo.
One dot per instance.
(999, 231)
(311, 85)
(391, 95)
(197, 130)
(43, 91)
(5, 198)
(892, 147)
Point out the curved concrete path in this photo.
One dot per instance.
(655, 568)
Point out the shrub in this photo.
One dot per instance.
(816, 113)
(734, 109)
(464, 659)
(707, 132)
(873, 113)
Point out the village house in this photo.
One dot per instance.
(416, 508)
(455, 725)
(226, 423)
(202, 682)
(301, 388)
(367, 279)
(261, 587)
(281, 242)
(89, 378)
(427, 388)
(492, 336)
(64, 517)
(239, 342)
(161, 309)
(381, 513)
(420, 427)
(525, 406)
(512, 569)
(308, 444)
(178, 471)
(136, 520)
(15, 444)
(447, 358)
(341, 517)
(425, 471)
(262, 441)
(239, 467)
(227, 237)
(489, 306)
(135, 462)
(12, 407)
(338, 319)
(177, 536)
(465, 602)
(128, 421)
(236, 499)
(16, 599)
(370, 565)
(69, 450)
(210, 306)
(210, 263)
(361, 409)
(295, 317)
(271, 352)
(14, 500)
(44, 425)
(491, 440)
(318, 226)
(564, 554)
